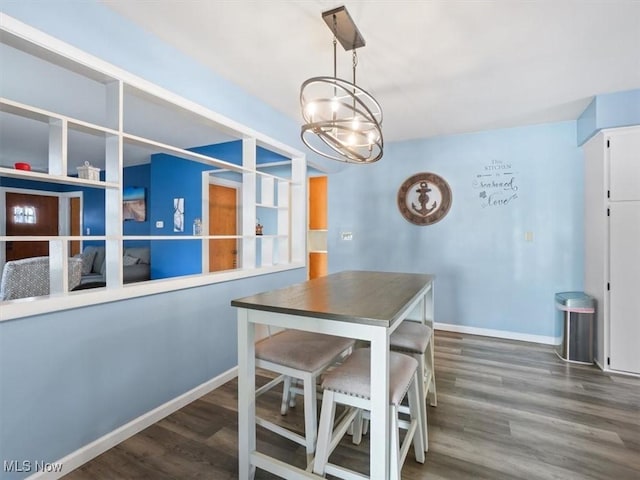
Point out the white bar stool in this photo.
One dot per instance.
(350, 384)
(299, 355)
(416, 339)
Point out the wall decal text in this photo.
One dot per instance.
(496, 184)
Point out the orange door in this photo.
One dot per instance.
(223, 211)
(317, 265)
(74, 224)
(30, 215)
(318, 203)
(318, 261)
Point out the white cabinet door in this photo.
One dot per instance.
(624, 165)
(624, 244)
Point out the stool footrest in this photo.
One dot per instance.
(269, 385)
(294, 437)
(343, 473)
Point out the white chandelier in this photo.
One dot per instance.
(342, 121)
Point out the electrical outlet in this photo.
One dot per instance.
(159, 224)
(528, 236)
(347, 236)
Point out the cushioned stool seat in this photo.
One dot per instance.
(302, 350)
(350, 384)
(304, 356)
(416, 339)
(412, 337)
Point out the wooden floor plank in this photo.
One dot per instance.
(506, 410)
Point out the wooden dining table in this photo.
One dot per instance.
(364, 305)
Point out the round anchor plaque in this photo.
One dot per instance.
(424, 198)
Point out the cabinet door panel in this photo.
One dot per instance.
(624, 165)
(624, 309)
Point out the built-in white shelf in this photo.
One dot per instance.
(110, 126)
(64, 179)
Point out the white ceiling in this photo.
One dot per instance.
(436, 67)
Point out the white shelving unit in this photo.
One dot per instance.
(272, 198)
(120, 118)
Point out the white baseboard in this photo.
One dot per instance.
(616, 372)
(486, 332)
(111, 439)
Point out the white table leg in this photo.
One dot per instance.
(379, 461)
(246, 395)
(429, 307)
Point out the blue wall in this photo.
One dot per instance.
(71, 377)
(488, 276)
(172, 177)
(610, 110)
(138, 176)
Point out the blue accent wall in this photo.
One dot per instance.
(138, 176)
(488, 275)
(93, 211)
(31, 185)
(172, 177)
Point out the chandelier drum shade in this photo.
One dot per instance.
(342, 121)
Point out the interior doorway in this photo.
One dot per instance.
(39, 214)
(29, 215)
(75, 224)
(318, 225)
(223, 220)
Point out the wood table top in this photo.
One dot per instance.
(374, 298)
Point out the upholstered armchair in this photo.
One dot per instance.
(29, 277)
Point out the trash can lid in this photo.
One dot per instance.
(575, 300)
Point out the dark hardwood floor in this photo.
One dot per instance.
(506, 410)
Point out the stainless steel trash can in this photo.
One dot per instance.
(574, 320)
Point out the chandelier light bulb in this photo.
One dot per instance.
(334, 105)
(311, 109)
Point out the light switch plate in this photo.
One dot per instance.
(159, 224)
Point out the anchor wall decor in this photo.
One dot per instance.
(424, 198)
